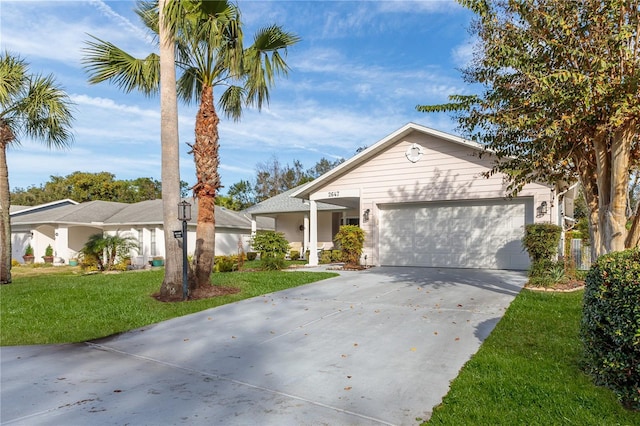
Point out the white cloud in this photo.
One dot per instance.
(463, 54)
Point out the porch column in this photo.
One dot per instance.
(305, 238)
(313, 228)
(254, 225)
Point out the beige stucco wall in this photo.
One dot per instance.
(445, 171)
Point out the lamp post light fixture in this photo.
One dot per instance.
(184, 215)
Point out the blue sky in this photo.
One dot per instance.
(356, 76)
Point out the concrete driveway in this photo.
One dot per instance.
(366, 348)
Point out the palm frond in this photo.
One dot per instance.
(13, 75)
(46, 112)
(263, 61)
(106, 62)
(231, 102)
(189, 85)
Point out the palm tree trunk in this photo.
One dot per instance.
(172, 284)
(205, 153)
(5, 219)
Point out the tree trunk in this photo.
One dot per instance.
(588, 179)
(603, 182)
(205, 154)
(172, 284)
(617, 215)
(633, 237)
(5, 218)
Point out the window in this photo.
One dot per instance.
(153, 242)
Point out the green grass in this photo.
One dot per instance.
(528, 372)
(62, 306)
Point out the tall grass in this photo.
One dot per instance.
(63, 307)
(528, 372)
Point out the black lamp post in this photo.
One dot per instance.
(184, 215)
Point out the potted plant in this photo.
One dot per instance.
(28, 254)
(48, 254)
(157, 261)
(73, 261)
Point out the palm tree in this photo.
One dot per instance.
(210, 54)
(171, 287)
(34, 106)
(106, 249)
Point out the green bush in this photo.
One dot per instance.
(325, 257)
(226, 263)
(541, 241)
(272, 263)
(294, 254)
(252, 255)
(610, 328)
(350, 238)
(272, 247)
(336, 255)
(545, 273)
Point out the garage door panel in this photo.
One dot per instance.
(464, 234)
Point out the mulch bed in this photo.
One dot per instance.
(206, 292)
(563, 287)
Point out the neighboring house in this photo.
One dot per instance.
(421, 199)
(67, 225)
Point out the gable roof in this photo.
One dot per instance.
(113, 213)
(285, 203)
(15, 210)
(305, 191)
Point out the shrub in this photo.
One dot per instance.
(541, 241)
(351, 241)
(252, 255)
(610, 328)
(272, 247)
(325, 257)
(336, 255)
(272, 263)
(226, 263)
(545, 273)
(294, 254)
(48, 251)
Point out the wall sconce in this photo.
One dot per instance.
(542, 209)
(365, 215)
(301, 227)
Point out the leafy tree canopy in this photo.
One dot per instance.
(272, 178)
(560, 101)
(84, 186)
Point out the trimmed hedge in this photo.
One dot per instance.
(541, 241)
(350, 238)
(610, 328)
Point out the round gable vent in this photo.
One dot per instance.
(414, 152)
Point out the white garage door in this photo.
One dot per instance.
(484, 234)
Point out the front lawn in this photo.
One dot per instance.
(528, 372)
(60, 306)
